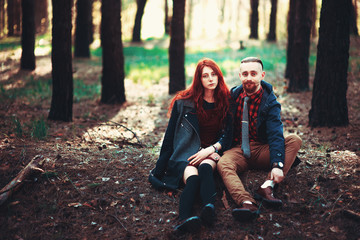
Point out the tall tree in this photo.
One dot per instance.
(62, 79)
(2, 17)
(136, 37)
(353, 19)
(14, 16)
(290, 31)
(254, 19)
(329, 104)
(313, 20)
(28, 35)
(299, 77)
(41, 16)
(167, 18)
(113, 74)
(83, 28)
(189, 19)
(272, 30)
(177, 48)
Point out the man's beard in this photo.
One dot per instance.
(250, 87)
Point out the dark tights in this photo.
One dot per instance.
(205, 181)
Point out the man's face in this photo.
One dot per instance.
(251, 74)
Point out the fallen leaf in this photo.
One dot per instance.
(75, 205)
(88, 205)
(335, 229)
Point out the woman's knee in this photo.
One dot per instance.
(208, 162)
(189, 171)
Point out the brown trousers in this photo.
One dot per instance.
(233, 162)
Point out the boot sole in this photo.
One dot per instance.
(268, 203)
(207, 215)
(191, 225)
(243, 215)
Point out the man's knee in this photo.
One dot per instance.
(225, 164)
(294, 140)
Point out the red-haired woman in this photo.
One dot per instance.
(197, 130)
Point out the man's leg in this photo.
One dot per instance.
(260, 154)
(229, 165)
(262, 161)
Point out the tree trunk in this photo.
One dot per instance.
(291, 26)
(177, 48)
(189, 19)
(313, 20)
(136, 37)
(353, 20)
(299, 78)
(113, 90)
(91, 23)
(62, 79)
(2, 17)
(167, 21)
(329, 104)
(254, 19)
(41, 16)
(14, 16)
(28, 35)
(272, 31)
(83, 28)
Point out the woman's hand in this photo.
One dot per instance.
(198, 157)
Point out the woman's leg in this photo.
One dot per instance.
(207, 191)
(207, 183)
(187, 198)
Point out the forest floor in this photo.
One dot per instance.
(95, 182)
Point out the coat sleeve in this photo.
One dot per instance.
(275, 133)
(167, 145)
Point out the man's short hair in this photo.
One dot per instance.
(253, 59)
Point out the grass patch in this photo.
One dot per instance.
(85, 91)
(17, 127)
(39, 129)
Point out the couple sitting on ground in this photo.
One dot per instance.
(211, 127)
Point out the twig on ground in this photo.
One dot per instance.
(117, 219)
(352, 214)
(31, 168)
(87, 131)
(72, 183)
(118, 124)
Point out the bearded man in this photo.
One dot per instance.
(258, 141)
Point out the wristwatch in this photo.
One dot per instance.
(278, 165)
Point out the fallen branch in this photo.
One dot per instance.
(29, 170)
(120, 125)
(352, 215)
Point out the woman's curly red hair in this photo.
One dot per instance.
(196, 90)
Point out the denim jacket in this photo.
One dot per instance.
(181, 140)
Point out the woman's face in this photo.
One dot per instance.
(209, 78)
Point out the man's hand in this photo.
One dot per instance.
(277, 175)
(198, 157)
